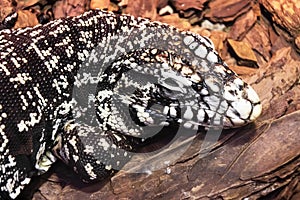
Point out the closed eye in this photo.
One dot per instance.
(171, 83)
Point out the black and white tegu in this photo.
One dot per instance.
(83, 89)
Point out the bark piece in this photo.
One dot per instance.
(297, 42)
(103, 4)
(5, 8)
(277, 41)
(242, 70)
(258, 37)
(142, 8)
(162, 3)
(26, 19)
(227, 10)
(26, 3)
(242, 25)
(244, 53)
(183, 5)
(176, 21)
(275, 79)
(232, 175)
(286, 13)
(66, 8)
(219, 39)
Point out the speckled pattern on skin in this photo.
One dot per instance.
(161, 75)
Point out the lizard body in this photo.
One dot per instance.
(138, 74)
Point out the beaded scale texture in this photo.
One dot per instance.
(91, 88)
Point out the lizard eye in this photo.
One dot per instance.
(176, 86)
(170, 83)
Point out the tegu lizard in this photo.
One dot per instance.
(87, 89)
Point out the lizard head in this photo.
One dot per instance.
(216, 97)
(174, 90)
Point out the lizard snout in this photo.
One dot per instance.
(243, 103)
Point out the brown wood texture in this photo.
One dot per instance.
(258, 161)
